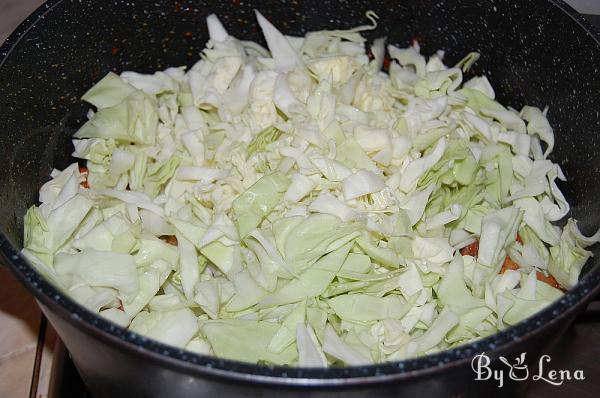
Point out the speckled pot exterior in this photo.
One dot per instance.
(534, 52)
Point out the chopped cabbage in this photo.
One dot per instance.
(299, 206)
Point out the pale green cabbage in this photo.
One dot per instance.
(299, 206)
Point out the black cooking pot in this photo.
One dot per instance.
(534, 52)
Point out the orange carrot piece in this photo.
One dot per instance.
(509, 264)
(470, 250)
(170, 239)
(519, 239)
(473, 250)
(84, 171)
(549, 279)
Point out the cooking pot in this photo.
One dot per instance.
(538, 52)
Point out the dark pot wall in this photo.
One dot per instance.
(109, 371)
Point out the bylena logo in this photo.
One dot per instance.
(519, 371)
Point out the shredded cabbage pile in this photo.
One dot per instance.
(300, 206)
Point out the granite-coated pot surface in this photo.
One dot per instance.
(536, 52)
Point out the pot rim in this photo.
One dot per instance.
(195, 364)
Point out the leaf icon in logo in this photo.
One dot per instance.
(519, 371)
